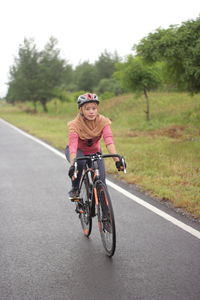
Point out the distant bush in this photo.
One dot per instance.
(109, 85)
(107, 95)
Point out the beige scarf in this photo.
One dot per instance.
(87, 129)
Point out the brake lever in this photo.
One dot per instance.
(123, 162)
(75, 169)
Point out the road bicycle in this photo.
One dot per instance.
(94, 200)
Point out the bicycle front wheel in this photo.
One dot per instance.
(84, 215)
(106, 219)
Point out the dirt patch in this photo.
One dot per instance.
(175, 132)
(26, 109)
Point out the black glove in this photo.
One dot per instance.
(120, 166)
(71, 171)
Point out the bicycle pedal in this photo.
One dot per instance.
(79, 210)
(77, 199)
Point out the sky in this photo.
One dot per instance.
(85, 28)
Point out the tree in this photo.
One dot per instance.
(35, 75)
(24, 73)
(105, 65)
(179, 48)
(51, 72)
(135, 75)
(68, 76)
(85, 76)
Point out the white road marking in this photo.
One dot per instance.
(136, 199)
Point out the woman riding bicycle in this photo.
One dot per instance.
(85, 132)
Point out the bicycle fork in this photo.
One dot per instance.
(104, 206)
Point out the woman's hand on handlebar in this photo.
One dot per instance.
(71, 171)
(121, 164)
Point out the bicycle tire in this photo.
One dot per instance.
(85, 215)
(106, 220)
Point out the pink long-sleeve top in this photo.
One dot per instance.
(76, 143)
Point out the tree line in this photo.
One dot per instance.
(167, 58)
(41, 75)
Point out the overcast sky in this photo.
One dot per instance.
(85, 28)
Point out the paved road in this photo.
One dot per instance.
(44, 256)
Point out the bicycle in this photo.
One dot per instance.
(94, 200)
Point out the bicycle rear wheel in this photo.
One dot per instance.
(85, 203)
(106, 220)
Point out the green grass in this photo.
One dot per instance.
(163, 155)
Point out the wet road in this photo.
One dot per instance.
(44, 256)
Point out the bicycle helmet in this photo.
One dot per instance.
(87, 98)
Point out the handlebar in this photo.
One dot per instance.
(95, 157)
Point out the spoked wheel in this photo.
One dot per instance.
(106, 220)
(84, 209)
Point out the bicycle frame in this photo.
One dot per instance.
(94, 169)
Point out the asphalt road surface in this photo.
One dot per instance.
(44, 255)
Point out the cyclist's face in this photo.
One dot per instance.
(90, 111)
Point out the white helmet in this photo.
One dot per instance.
(87, 98)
